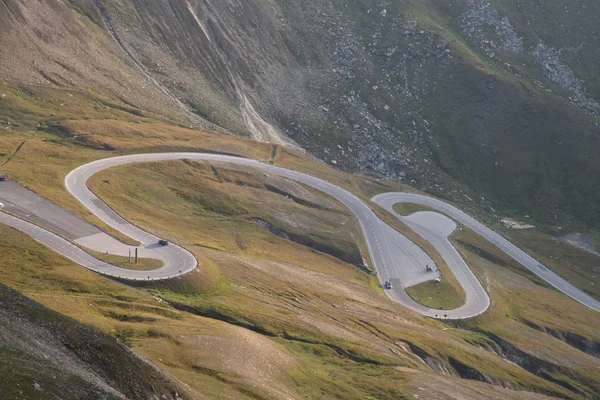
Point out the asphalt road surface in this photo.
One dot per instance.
(22, 202)
(68, 249)
(43, 213)
(394, 257)
(387, 200)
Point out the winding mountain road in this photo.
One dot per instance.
(387, 200)
(394, 256)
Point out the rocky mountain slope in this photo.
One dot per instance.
(497, 96)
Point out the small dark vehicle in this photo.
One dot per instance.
(163, 242)
(388, 285)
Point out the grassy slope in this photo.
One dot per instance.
(135, 318)
(227, 201)
(440, 295)
(227, 304)
(318, 321)
(518, 304)
(44, 355)
(144, 264)
(410, 208)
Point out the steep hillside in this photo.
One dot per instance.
(496, 96)
(44, 355)
(279, 308)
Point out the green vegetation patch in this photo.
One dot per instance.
(143, 264)
(224, 208)
(439, 295)
(410, 208)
